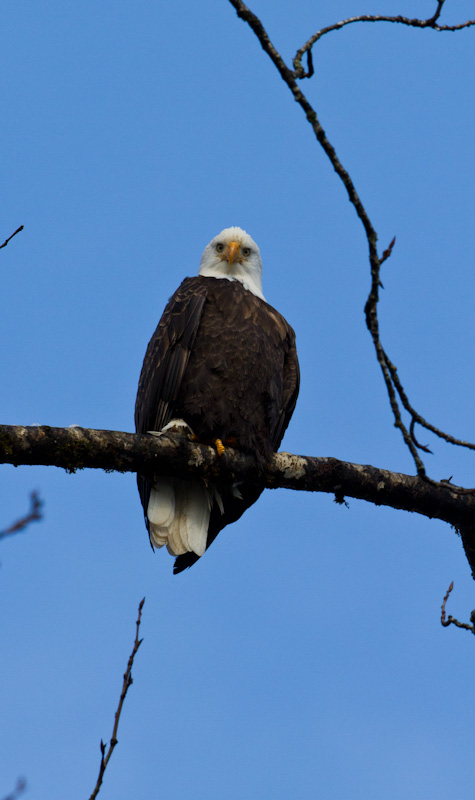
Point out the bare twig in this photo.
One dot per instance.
(106, 752)
(451, 620)
(392, 381)
(18, 790)
(387, 252)
(431, 23)
(423, 447)
(416, 418)
(11, 237)
(34, 515)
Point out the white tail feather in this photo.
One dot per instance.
(161, 511)
(196, 518)
(178, 512)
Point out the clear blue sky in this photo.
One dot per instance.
(303, 656)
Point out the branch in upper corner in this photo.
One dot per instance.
(394, 386)
(446, 621)
(34, 515)
(430, 23)
(106, 752)
(11, 237)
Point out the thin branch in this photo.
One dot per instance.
(34, 515)
(372, 323)
(420, 446)
(418, 419)
(18, 790)
(387, 253)
(393, 384)
(451, 620)
(11, 237)
(106, 752)
(438, 10)
(431, 23)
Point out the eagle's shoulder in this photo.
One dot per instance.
(232, 294)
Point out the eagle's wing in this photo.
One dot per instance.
(290, 392)
(167, 357)
(165, 364)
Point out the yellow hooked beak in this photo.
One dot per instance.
(231, 253)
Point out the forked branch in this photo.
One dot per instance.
(446, 621)
(106, 751)
(34, 515)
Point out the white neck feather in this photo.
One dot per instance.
(247, 280)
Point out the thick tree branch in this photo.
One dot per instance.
(78, 448)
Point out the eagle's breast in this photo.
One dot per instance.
(233, 383)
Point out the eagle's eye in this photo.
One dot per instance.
(246, 251)
(219, 247)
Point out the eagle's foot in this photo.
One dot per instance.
(210, 442)
(220, 448)
(219, 444)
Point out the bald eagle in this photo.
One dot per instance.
(222, 367)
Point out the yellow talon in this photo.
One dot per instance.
(220, 448)
(218, 443)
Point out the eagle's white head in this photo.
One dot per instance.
(233, 255)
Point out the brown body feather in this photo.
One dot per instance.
(224, 361)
